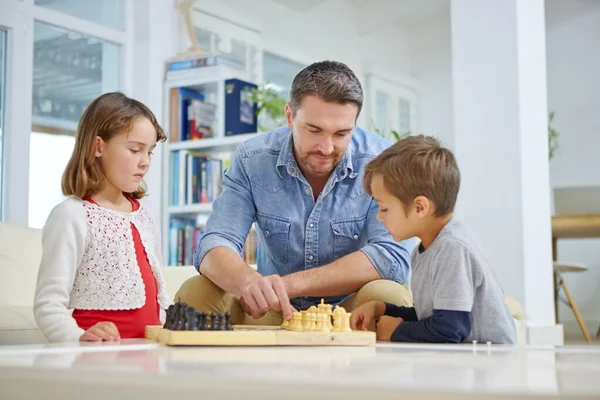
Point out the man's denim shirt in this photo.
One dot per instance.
(263, 184)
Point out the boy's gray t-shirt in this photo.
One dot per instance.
(453, 274)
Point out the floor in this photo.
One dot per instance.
(144, 370)
(577, 339)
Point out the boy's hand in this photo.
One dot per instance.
(365, 314)
(386, 326)
(102, 331)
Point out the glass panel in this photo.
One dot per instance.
(403, 116)
(51, 154)
(3, 46)
(69, 71)
(279, 73)
(204, 38)
(110, 13)
(382, 101)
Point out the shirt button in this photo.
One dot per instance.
(311, 225)
(267, 233)
(355, 237)
(306, 191)
(310, 258)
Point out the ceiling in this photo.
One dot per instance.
(373, 15)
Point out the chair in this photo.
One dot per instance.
(559, 269)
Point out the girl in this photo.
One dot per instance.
(100, 248)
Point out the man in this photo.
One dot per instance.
(319, 234)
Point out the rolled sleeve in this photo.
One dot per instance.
(391, 259)
(233, 212)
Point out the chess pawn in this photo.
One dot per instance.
(285, 324)
(228, 326)
(221, 326)
(191, 320)
(338, 318)
(213, 321)
(322, 325)
(202, 321)
(311, 322)
(296, 324)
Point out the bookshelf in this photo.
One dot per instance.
(184, 202)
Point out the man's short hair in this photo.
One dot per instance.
(418, 166)
(332, 81)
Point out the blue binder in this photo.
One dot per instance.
(240, 112)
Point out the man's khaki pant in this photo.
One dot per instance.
(202, 294)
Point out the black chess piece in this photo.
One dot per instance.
(192, 320)
(228, 326)
(169, 319)
(180, 321)
(221, 322)
(213, 321)
(202, 321)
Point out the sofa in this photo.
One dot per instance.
(20, 254)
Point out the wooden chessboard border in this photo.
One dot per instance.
(258, 336)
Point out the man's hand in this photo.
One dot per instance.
(365, 314)
(386, 326)
(266, 293)
(102, 331)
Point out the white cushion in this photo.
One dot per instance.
(17, 326)
(20, 255)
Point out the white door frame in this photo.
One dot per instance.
(17, 125)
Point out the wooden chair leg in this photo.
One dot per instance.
(575, 310)
(556, 289)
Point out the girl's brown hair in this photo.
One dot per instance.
(105, 117)
(418, 166)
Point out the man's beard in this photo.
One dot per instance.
(305, 160)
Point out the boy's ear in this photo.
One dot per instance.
(99, 146)
(288, 114)
(422, 206)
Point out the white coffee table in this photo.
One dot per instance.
(137, 369)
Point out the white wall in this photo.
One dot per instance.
(431, 59)
(573, 55)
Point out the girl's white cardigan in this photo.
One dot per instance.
(89, 262)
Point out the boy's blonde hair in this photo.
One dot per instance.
(105, 117)
(418, 166)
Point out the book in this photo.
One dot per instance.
(240, 110)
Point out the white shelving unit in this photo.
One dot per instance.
(211, 82)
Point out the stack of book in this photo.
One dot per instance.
(196, 64)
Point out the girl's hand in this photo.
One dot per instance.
(102, 331)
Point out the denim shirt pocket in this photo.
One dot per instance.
(349, 235)
(276, 233)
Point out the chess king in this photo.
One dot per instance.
(319, 236)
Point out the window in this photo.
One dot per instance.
(220, 36)
(3, 46)
(391, 107)
(69, 70)
(279, 73)
(109, 13)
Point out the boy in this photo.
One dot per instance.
(457, 298)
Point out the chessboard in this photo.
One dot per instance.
(185, 326)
